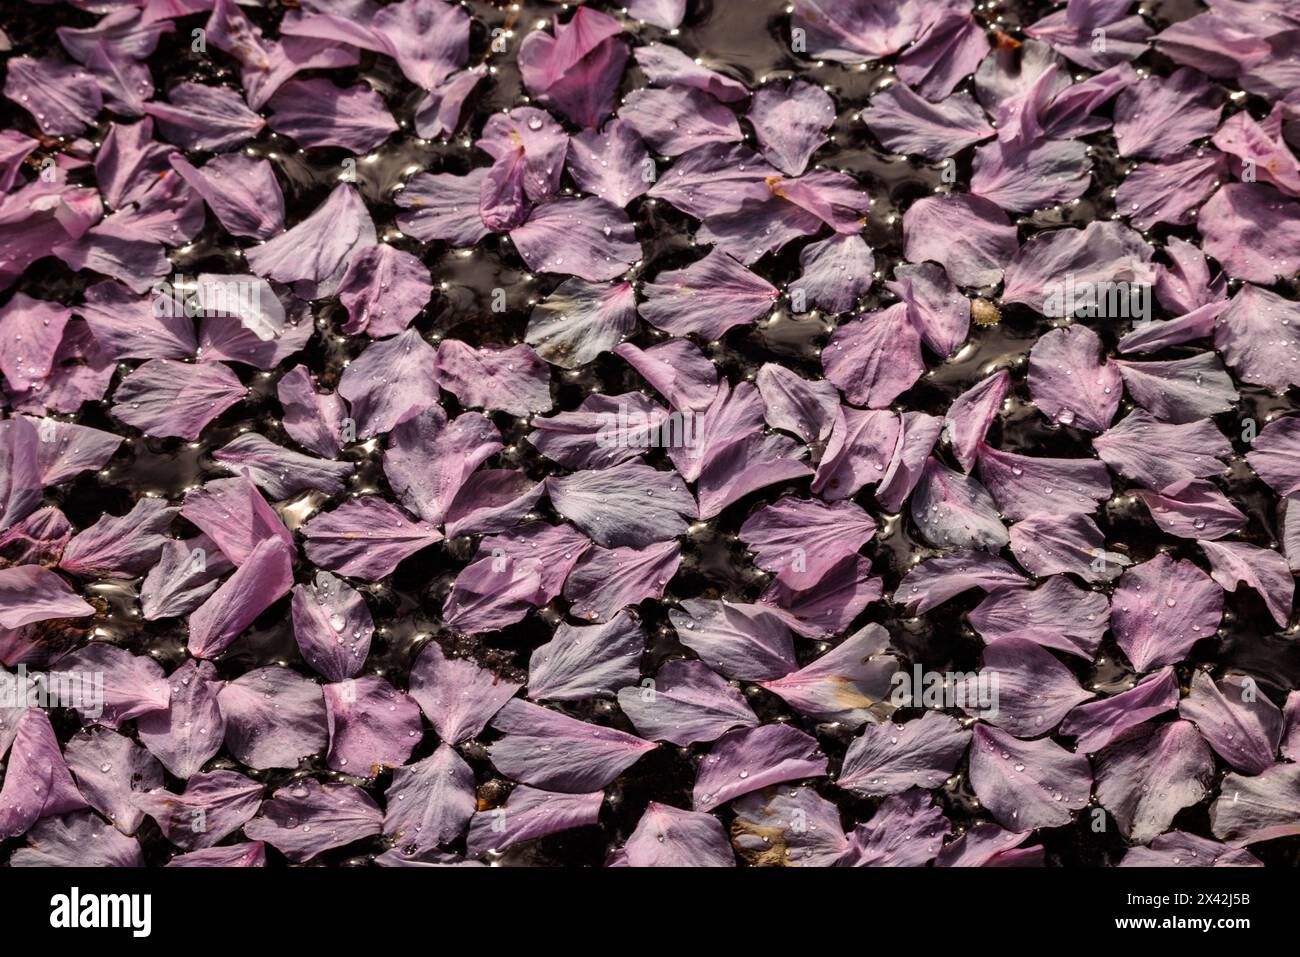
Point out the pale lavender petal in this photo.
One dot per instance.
(859, 31)
(707, 297)
(332, 626)
(1096, 724)
(907, 123)
(164, 397)
(666, 65)
(830, 605)
(836, 271)
(1034, 691)
(677, 369)
(36, 783)
(458, 697)
(1054, 264)
(383, 290)
(969, 416)
(1158, 117)
(443, 207)
(875, 359)
(30, 593)
(1027, 784)
(612, 163)
(513, 380)
(1262, 807)
(313, 419)
(907, 830)
(133, 685)
(1161, 608)
(1180, 849)
(1160, 455)
(788, 827)
(530, 814)
(580, 663)
(589, 237)
(670, 837)
(607, 580)
(629, 504)
(678, 119)
(1169, 191)
(200, 117)
(747, 642)
(848, 685)
(264, 577)
(1197, 509)
(547, 749)
(186, 574)
(1263, 569)
(430, 802)
(1182, 390)
(274, 717)
(1049, 544)
(313, 255)
(890, 758)
(1236, 718)
(306, 818)
(949, 50)
(241, 191)
(1147, 777)
(955, 511)
(790, 121)
(799, 540)
(191, 729)
(685, 702)
(318, 113)
(938, 311)
(752, 758)
(80, 839)
(1021, 485)
(429, 459)
(1058, 614)
(934, 581)
(406, 360)
(490, 594)
(63, 97)
(1253, 231)
(371, 725)
(970, 237)
(365, 538)
(109, 768)
(244, 854)
(580, 320)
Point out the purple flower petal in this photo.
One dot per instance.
(684, 703)
(971, 413)
(439, 113)
(214, 805)
(588, 237)
(677, 369)
(186, 574)
(752, 758)
(1236, 718)
(907, 830)
(36, 327)
(580, 320)
(1057, 614)
(332, 626)
(120, 546)
(917, 435)
(457, 696)
(670, 837)
(707, 297)
(890, 758)
(1021, 485)
(580, 663)
(549, 550)
(747, 642)
(578, 69)
(949, 50)
(530, 814)
(365, 538)
(314, 255)
(164, 397)
(1250, 809)
(1196, 510)
(264, 577)
(628, 504)
(806, 408)
(63, 97)
(1027, 784)
(428, 39)
(430, 802)
(77, 840)
(790, 121)
(1161, 608)
(529, 149)
(907, 123)
(1254, 332)
(788, 827)
(36, 783)
(313, 419)
(1158, 117)
(274, 717)
(242, 193)
(371, 725)
(133, 685)
(443, 207)
(383, 290)
(1262, 569)
(244, 854)
(1021, 178)
(491, 500)
(799, 540)
(490, 594)
(1160, 455)
(30, 593)
(550, 750)
(306, 818)
(1034, 690)
(848, 685)
(1073, 34)
(987, 845)
(1253, 231)
(603, 431)
(191, 729)
(109, 769)
(1150, 775)
(607, 580)
(935, 580)
(875, 359)
(836, 271)
(955, 511)
(1261, 145)
(200, 117)
(1169, 191)
(1047, 544)
(938, 311)
(1180, 849)
(1067, 381)
(1100, 252)
(1275, 456)
(664, 65)
(832, 604)
(970, 237)
(513, 380)
(612, 163)
(430, 459)
(858, 31)
(1096, 724)
(1183, 390)
(318, 113)
(405, 360)
(679, 119)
